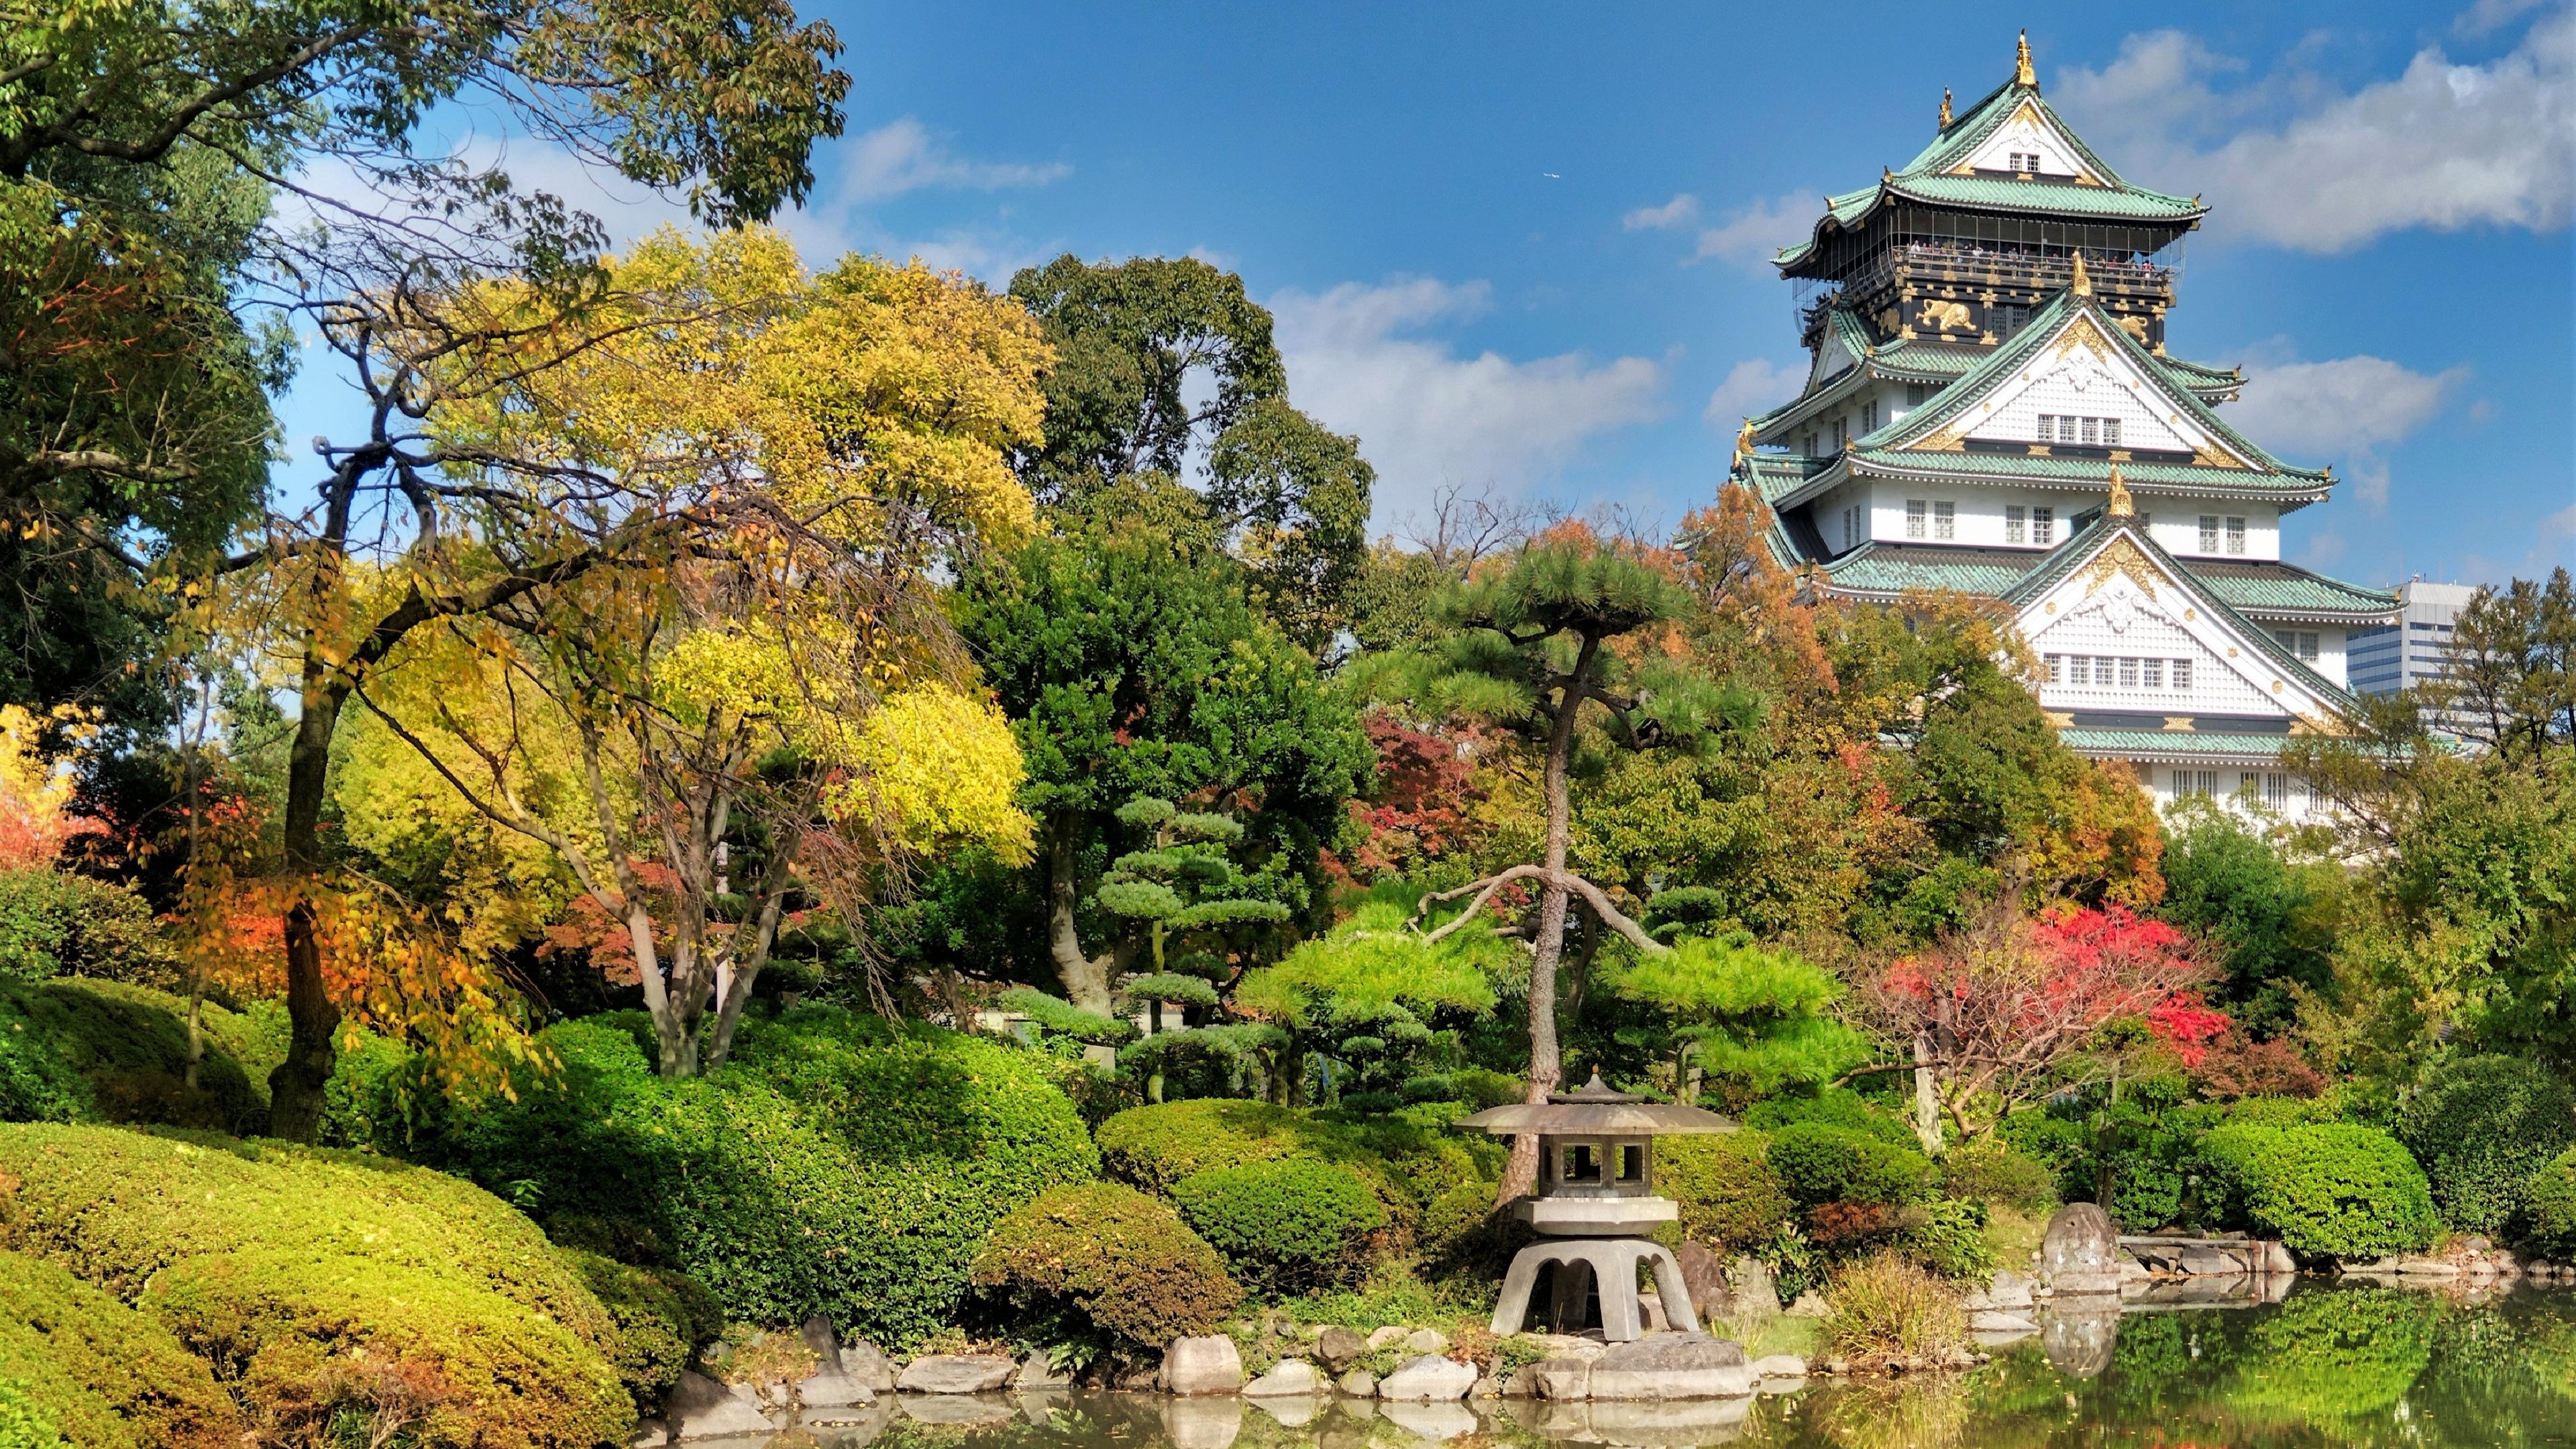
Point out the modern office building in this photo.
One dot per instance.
(2416, 647)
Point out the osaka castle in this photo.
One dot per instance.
(1991, 409)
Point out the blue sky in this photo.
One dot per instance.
(1520, 246)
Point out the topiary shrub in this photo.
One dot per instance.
(321, 1281)
(1099, 1267)
(81, 1050)
(1730, 1198)
(55, 923)
(1155, 1147)
(2481, 1126)
(2328, 1190)
(2549, 1201)
(1285, 1225)
(662, 1319)
(80, 1365)
(836, 1164)
(1991, 1172)
(1820, 1162)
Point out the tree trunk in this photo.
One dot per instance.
(1927, 1104)
(295, 1088)
(1547, 1067)
(1086, 979)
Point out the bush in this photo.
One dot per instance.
(1885, 1305)
(2327, 1190)
(1286, 1225)
(662, 1318)
(320, 1280)
(1730, 1198)
(1948, 1237)
(837, 1164)
(1836, 1107)
(1154, 1147)
(54, 923)
(80, 1365)
(1103, 1266)
(2481, 1127)
(2549, 1199)
(127, 1047)
(1991, 1172)
(1819, 1162)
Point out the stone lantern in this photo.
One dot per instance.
(1595, 1203)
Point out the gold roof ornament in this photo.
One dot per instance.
(2121, 507)
(1744, 441)
(2023, 75)
(2083, 279)
(1945, 108)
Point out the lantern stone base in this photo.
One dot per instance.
(1613, 1264)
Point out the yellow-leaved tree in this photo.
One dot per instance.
(760, 708)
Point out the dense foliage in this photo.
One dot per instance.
(837, 1165)
(1288, 1224)
(2481, 1126)
(1100, 1266)
(2327, 1190)
(91, 1370)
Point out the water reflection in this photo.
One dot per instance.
(2331, 1366)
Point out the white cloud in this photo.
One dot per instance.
(903, 155)
(2444, 146)
(1426, 415)
(1752, 387)
(1755, 234)
(2488, 16)
(2347, 409)
(1683, 207)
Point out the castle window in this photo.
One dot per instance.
(1869, 416)
(2128, 674)
(1842, 434)
(2301, 642)
(2236, 535)
(2092, 431)
(2209, 533)
(2110, 432)
(2276, 791)
(2151, 673)
(2181, 675)
(2043, 526)
(2056, 668)
(2016, 523)
(2203, 783)
(1915, 393)
(1810, 448)
(1945, 520)
(1915, 512)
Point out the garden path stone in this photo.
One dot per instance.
(2080, 1252)
(1428, 1378)
(701, 1408)
(863, 1361)
(957, 1373)
(833, 1389)
(1672, 1366)
(1338, 1346)
(1205, 1364)
(1289, 1376)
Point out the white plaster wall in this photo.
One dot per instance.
(2176, 527)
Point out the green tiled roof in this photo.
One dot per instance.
(2170, 742)
(2033, 338)
(2280, 588)
(1894, 568)
(1926, 178)
(2153, 477)
(2261, 587)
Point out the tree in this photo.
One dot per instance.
(1132, 662)
(2271, 918)
(722, 104)
(768, 706)
(1138, 341)
(1995, 1014)
(1528, 648)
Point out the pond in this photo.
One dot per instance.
(2333, 1365)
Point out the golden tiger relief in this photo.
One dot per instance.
(1945, 317)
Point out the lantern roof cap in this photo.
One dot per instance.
(1596, 1110)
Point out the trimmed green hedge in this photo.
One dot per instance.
(1286, 1225)
(837, 1164)
(79, 1365)
(75, 1050)
(1103, 1266)
(1993, 1173)
(1822, 1162)
(2327, 1190)
(2549, 1197)
(662, 1319)
(1730, 1198)
(314, 1278)
(2481, 1127)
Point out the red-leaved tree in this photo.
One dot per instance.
(1998, 1013)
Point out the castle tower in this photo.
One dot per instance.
(1988, 378)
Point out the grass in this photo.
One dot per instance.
(1885, 1306)
(2014, 1235)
